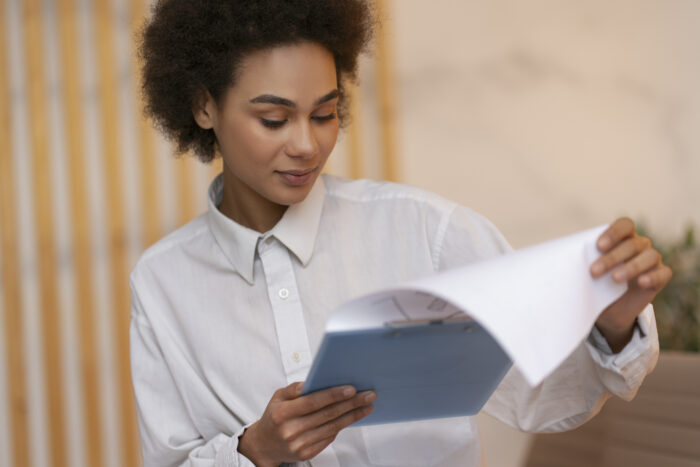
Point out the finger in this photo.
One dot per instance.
(656, 279)
(318, 400)
(330, 412)
(618, 230)
(644, 261)
(288, 393)
(329, 429)
(618, 255)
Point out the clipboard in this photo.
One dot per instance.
(419, 369)
(423, 345)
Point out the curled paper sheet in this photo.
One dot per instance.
(538, 303)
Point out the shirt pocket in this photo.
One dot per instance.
(419, 443)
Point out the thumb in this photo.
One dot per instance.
(290, 392)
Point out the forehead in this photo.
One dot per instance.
(300, 72)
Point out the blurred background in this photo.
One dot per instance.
(545, 116)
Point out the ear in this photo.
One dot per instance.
(204, 109)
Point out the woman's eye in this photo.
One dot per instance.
(324, 118)
(272, 123)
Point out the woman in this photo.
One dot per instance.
(227, 309)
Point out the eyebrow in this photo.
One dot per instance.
(276, 100)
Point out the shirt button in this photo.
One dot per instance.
(283, 293)
(296, 356)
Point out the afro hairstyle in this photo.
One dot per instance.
(191, 46)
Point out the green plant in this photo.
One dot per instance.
(677, 306)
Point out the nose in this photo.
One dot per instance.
(302, 141)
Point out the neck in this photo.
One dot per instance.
(247, 207)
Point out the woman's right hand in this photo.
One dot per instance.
(296, 428)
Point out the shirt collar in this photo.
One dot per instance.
(297, 229)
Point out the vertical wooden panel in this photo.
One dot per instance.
(19, 433)
(357, 168)
(215, 167)
(46, 257)
(150, 193)
(71, 79)
(385, 86)
(185, 190)
(118, 252)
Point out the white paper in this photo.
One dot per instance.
(539, 303)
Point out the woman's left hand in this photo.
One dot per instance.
(632, 259)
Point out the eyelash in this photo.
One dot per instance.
(274, 124)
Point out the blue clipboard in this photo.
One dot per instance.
(433, 369)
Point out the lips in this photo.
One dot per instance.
(297, 177)
(297, 173)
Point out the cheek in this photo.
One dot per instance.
(249, 143)
(327, 138)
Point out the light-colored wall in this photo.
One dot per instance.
(552, 116)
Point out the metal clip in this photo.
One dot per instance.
(461, 317)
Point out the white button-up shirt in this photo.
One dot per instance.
(222, 316)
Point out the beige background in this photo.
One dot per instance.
(550, 116)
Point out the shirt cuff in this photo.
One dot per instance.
(623, 373)
(229, 455)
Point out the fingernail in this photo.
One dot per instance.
(370, 397)
(603, 242)
(348, 391)
(597, 268)
(645, 281)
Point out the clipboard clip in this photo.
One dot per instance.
(457, 318)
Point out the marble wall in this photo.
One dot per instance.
(552, 116)
(549, 117)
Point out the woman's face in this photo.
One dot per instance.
(277, 125)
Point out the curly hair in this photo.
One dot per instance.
(189, 46)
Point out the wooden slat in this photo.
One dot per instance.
(184, 188)
(357, 169)
(666, 438)
(114, 194)
(679, 409)
(80, 228)
(149, 184)
(215, 167)
(43, 212)
(680, 371)
(562, 450)
(150, 193)
(557, 455)
(12, 300)
(386, 83)
(579, 453)
(568, 461)
(617, 456)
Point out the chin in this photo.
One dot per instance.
(292, 195)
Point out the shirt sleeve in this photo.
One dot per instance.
(623, 372)
(579, 387)
(168, 434)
